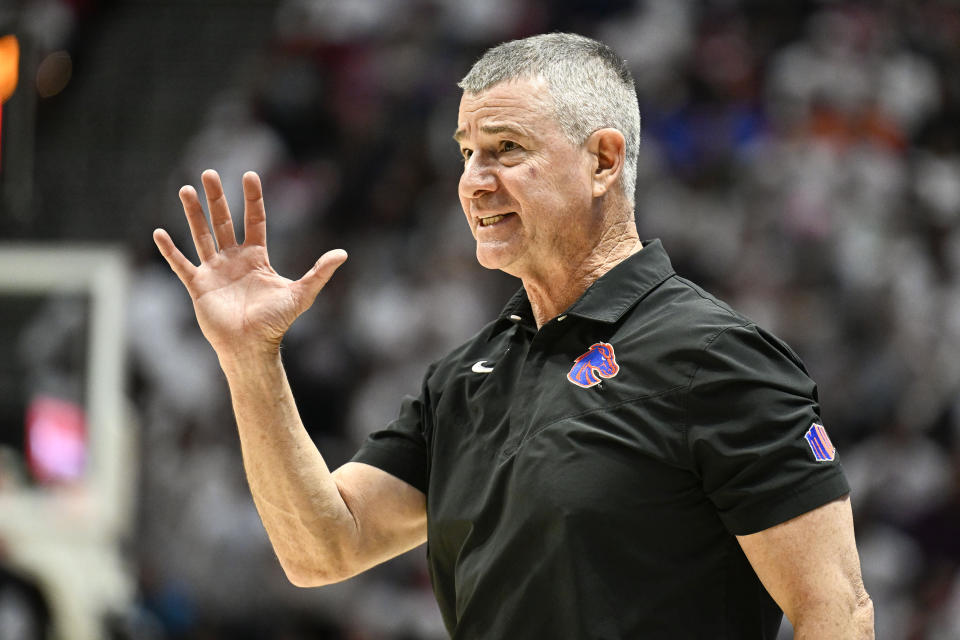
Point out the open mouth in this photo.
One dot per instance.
(492, 220)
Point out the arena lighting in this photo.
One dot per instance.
(9, 68)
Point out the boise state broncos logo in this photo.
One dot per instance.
(599, 362)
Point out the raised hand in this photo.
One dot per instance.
(242, 304)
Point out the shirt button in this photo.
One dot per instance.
(515, 318)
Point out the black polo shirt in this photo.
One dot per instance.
(587, 480)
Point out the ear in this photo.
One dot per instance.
(608, 147)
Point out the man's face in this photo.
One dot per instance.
(526, 189)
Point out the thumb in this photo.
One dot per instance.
(314, 280)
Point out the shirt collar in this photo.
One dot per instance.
(616, 291)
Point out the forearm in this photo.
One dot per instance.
(306, 518)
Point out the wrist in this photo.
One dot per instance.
(252, 359)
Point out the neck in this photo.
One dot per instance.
(554, 290)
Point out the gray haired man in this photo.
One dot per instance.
(618, 455)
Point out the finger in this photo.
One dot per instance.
(254, 214)
(177, 261)
(199, 228)
(219, 211)
(314, 280)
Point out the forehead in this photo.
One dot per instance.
(520, 104)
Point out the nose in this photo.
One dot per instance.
(478, 177)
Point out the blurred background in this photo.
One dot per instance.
(799, 159)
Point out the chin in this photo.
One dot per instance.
(486, 262)
(495, 257)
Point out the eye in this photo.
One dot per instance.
(508, 145)
(465, 154)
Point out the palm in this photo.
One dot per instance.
(240, 301)
(241, 295)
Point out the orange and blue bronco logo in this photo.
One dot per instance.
(599, 362)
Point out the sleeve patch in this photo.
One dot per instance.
(823, 450)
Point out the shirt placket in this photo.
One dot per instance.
(525, 404)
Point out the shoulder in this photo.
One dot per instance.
(682, 327)
(690, 312)
(679, 320)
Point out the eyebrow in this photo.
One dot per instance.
(492, 130)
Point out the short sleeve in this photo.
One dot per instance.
(750, 409)
(401, 448)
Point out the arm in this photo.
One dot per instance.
(810, 567)
(324, 526)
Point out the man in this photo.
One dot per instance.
(618, 455)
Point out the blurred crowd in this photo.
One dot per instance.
(799, 159)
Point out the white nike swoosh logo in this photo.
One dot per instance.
(480, 368)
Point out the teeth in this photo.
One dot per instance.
(485, 222)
